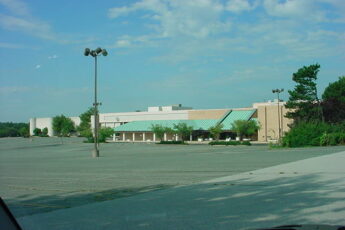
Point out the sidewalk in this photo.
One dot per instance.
(310, 191)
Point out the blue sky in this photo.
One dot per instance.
(201, 53)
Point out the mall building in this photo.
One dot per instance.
(136, 126)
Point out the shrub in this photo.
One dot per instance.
(332, 139)
(234, 143)
(305, 134)
(316, 141)
(229, 143)
(37, 132)
(172, 142)
(44, 132)
(314, 134)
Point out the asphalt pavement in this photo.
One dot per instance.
(308, 191)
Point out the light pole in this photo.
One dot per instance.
(278, 91)
(95, 53)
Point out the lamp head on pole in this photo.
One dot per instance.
(104, 52)
(98, 50)
(87, 52)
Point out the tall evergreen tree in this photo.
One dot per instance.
(303, 102)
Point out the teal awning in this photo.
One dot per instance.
(145, 126)
(237, 115)
(230, 117)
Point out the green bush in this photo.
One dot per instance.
(314, 134)
(332, 139)
(37, 132)
(172, 142)
(229, 143)
(234, 143)
(104, 133)
(305, 134)
(44, 132)
(218, 143)
(316, 141)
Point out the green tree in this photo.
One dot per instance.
(24, 131)
(183, 130)
(303, 102)
(159, 131)
(84, 128)
(37, 132)
(105, 133)
(333, 101)
(245, 128)
(216, 130)
(63, 126)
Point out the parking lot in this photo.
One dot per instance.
(47, 174)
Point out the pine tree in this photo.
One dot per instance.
(303, 102)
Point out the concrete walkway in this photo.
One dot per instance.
(310, 191)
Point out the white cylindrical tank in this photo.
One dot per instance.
(32, 125)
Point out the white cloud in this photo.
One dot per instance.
(192, 29)
(37, 66)
(34, 27)
(199, 18)
(23, 21)
(290, 41)
(237, 6)
(297, 9)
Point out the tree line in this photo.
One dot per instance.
(11, 129)
(62, 126)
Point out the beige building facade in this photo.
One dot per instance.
(267, 114)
